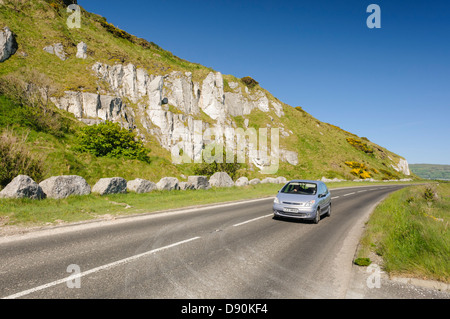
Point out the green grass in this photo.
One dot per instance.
(25, 212)
(410, 231)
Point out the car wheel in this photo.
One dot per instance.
(317, 218)
(329, 211)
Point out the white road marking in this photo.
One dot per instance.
(94, 270)
(349, 194)
(362, 191)
(252, 220)
(335, 197)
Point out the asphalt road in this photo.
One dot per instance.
(228, 251)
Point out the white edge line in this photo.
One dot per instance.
(252, 220)
(94, 270)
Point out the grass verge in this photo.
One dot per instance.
(410, 232)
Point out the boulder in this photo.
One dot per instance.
(140, 186)
(269, 180)
(23, 187)
(8, 44)
(281, 180)
(198, 182)
(82, 50)
(168, 184)
(221, 179)
(184, 186)
(57, 49)
(114, 185)
(255, 181)
(242, 181)
(59, 187)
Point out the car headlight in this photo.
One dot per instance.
(310, 203)
(276, 200)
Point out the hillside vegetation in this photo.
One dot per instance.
(48, 138)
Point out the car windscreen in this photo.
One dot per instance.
(300, 188)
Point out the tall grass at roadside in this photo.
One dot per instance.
(410, 231)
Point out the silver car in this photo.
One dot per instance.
(303, 199)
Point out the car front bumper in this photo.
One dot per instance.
(297, 212)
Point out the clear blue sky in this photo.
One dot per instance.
(391, 85)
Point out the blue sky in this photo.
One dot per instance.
(391, 85)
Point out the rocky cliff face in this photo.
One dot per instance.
(167, 106)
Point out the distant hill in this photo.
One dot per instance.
(431, 171)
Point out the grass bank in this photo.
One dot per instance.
(410, 232)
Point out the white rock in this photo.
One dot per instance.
(59, 187)
(168, 184)
(221, 179)
(198, 182)
(23, 187)
(114, 185)
(8, 44)
(82, 51)
(242, 181)
(255, 181)
(140, 186)
(269, 180)
(58, 50)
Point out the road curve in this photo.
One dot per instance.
(226, 251)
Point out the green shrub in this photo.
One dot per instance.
(108, 139)
(249, 82)
(364, 262)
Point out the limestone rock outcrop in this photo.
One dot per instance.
(8, 44)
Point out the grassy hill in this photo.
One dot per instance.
(431, 171)
(46, 136)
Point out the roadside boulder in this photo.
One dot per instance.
(168, 184)
(242, 181)
(23, 187)
(221, 179)
(59, 187)
(281, 180)
(269, 180)
(198, 182)
(114, 185)
(8, 44)
(255, 181)
(140, 186)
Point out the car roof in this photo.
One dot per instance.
(305, 181)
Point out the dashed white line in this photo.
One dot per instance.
(362, 191)
(252, 220)
(349, 194)
(94, 270)
(335, 197)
